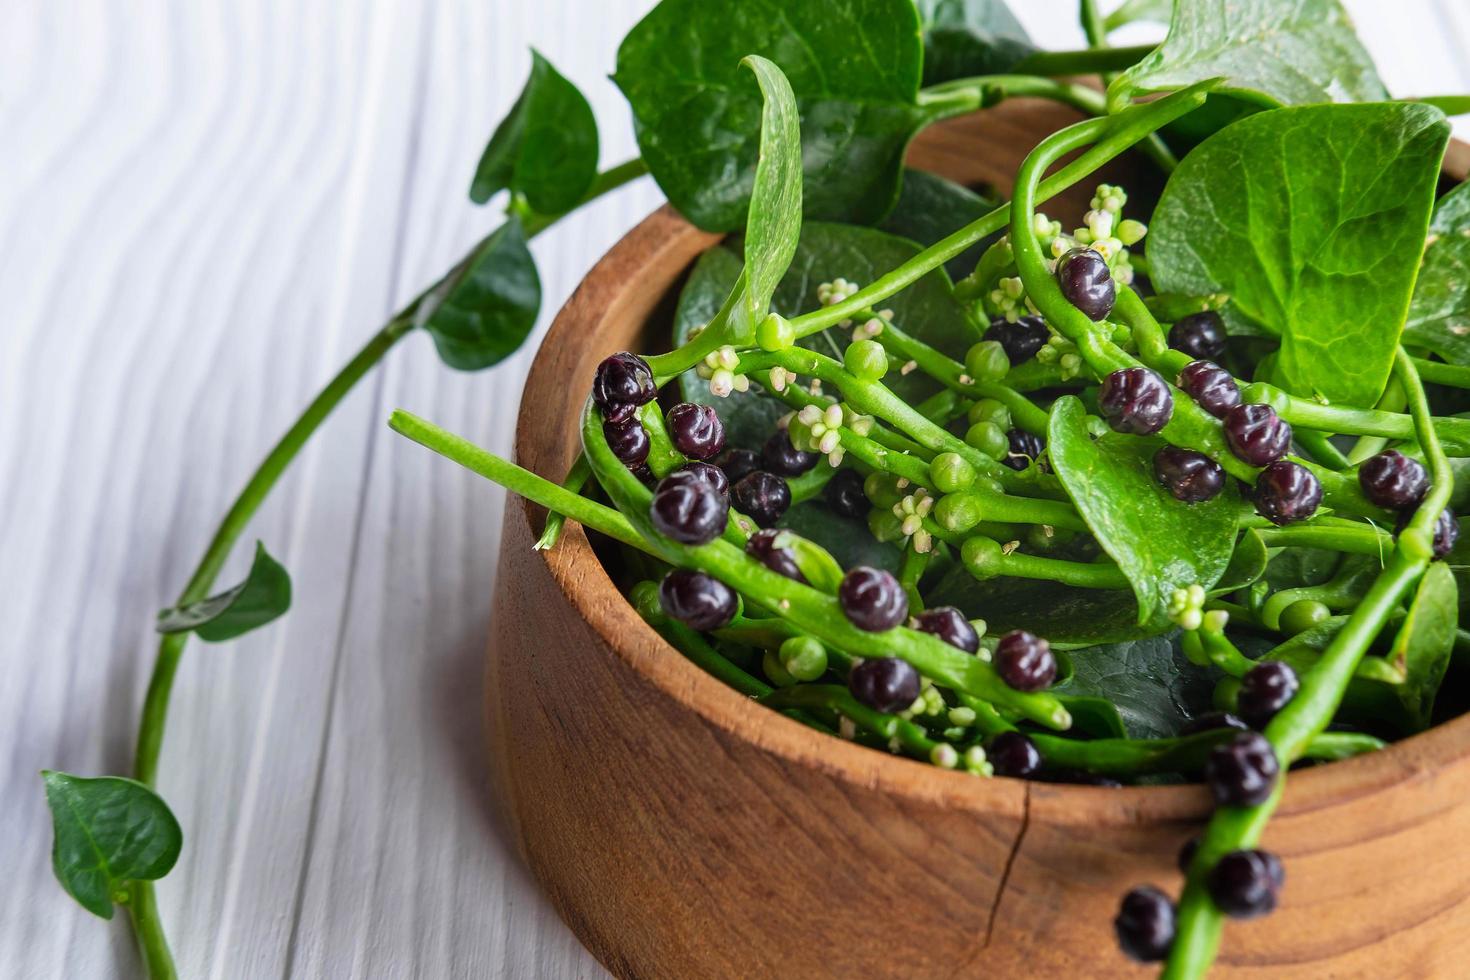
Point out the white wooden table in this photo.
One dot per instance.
(204, 209)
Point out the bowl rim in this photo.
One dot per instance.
(665, 239)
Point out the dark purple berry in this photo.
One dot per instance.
(1013, 754)
(844, 494)
(628, 440)
(644, 475)
(762, 547)
(1188, 475)
(1264, 690)
(761, 496)
(697, 600)
(1135, 400)
(950, 625)
(1025, 661)
(711, 476)
(872, 599)
(622, 383)
(1087, 283)
(1187, 853)
(1242, 771)
(1257, 434)
(695, 430)
(1200, 335)
(1446, 533)
(1211, 386)
(1145, 924)
(738, 463)
(1025, 448)
(1393, 480)
(690, 513)
(1213, 721)
(1287, 492)
(1020, 340)
(784, 459)
(885, 684)
(1245, 884)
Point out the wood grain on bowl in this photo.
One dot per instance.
(684, 832)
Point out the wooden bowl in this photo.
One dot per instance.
(683, 832)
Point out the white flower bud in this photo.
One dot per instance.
(923, 542)
(912, 524)
(721, 383)
(833, 416)
(944, 755)
(742, 383)
(829, 441)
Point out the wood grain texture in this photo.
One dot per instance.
(204, 209)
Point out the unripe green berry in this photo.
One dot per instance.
(1302, 615)
(882, 489)
(775, 333)
(987, 361)
(990, 410)
(804, 657)
(885, 525)
(958, 512)
(989, 438)
(951, 473)
(775, 672)
(866, 360)
(982, 557)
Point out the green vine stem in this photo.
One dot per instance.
(1322, 690)
(1305, 413)
(1086, 61)
(143, 904)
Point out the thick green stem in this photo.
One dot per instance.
(1084, 62)
(1308, 414)
(148, 928)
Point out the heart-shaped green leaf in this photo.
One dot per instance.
(1439, 315)
(1421, 651)
(485, 308)
(1312, 220)
(545, 147)
(853, 65)
(108, 831)
(1299, 52)
(1153, 685)
(1159, 543)
(963, 38)
(264, 595)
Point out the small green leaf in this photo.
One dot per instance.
(845, 539)
(1159, 543)
(816, 563)
(263, 596)
(964, 38)
(545, 147)
(1421, 651)
(774, 222)
(108, 831)
(1298, 53)
(1068, 616)
(1247, 564)
(853, 66)
(930, 208)
(1153, 685)
(1093, 717)
(1312, 220)
(1439, 314)
(483, 310)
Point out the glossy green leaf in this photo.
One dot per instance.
(1159, 543)
(774, 222)
(1294, 568)
(1068, 616)
(963, 38)
(483, 310)
(853, 65)
(1247, 564)
(1154, 687)
(930, 208)
(1439, 315)
(1092, 716)
(825, 252)
(545, 147)
(1289, 52)
(108, 831)
(1421, 651)
(819, 566)
(847, 540)
(264, 595)
(1312, 220)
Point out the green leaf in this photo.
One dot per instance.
(1439, 314)
(545, 147)
(263, 596)
(1295, 568)
(1247, 564)
(483, 310)
(1160, 543)
(930, 208)
(774, 223)
(853, 65)
(847, 540)
(1068, 616)
(1302, 52)
(108, 831)
(819, 566)
(1153, 685)
(1312, 220)
(1421, 651)
(1093, 717)
(963, 38)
